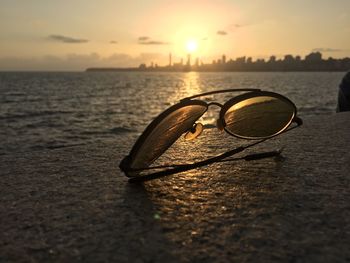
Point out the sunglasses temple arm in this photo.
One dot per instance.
(186, 167)
(255, 156)
(249, 157)
(298, 121)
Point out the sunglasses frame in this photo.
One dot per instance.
(189, 101)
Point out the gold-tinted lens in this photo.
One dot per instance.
(164, 133)
(259, 117)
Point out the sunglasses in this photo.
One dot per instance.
(255, 115)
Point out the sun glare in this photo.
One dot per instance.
(191, 46)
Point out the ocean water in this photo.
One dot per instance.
(53, 110)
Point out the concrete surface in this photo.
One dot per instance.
(74, 205)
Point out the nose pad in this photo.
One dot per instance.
(219, 125)
(194, 132)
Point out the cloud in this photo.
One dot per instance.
(234, 27)
(237, 26)
(65, 39)
(143, 39)
(327, 50)
(113, 42)
(147, 41)
(221, 32)
(153, 42)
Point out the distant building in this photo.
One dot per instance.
(188, 63)
(314, 57)
(223, 59)
(272, 59)
(240, 60)
(288, 59)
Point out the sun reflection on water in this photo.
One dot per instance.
(192, 84)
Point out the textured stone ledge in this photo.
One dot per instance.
(73, 204)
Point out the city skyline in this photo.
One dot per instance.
(68, 35)
(311, 62)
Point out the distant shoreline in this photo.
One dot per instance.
(204, 71)
(128, 70)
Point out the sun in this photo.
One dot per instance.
(191, 45)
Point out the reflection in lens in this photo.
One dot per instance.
(193, 133)
(259, 117)
(165, 133)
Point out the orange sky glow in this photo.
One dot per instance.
(73, 35)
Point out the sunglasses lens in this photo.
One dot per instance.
(163, 132)
(259, 117)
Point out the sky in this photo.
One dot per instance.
(73, 35)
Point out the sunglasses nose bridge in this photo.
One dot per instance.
(215, 104)
(219, 123)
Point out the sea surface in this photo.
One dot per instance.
(52, 110)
